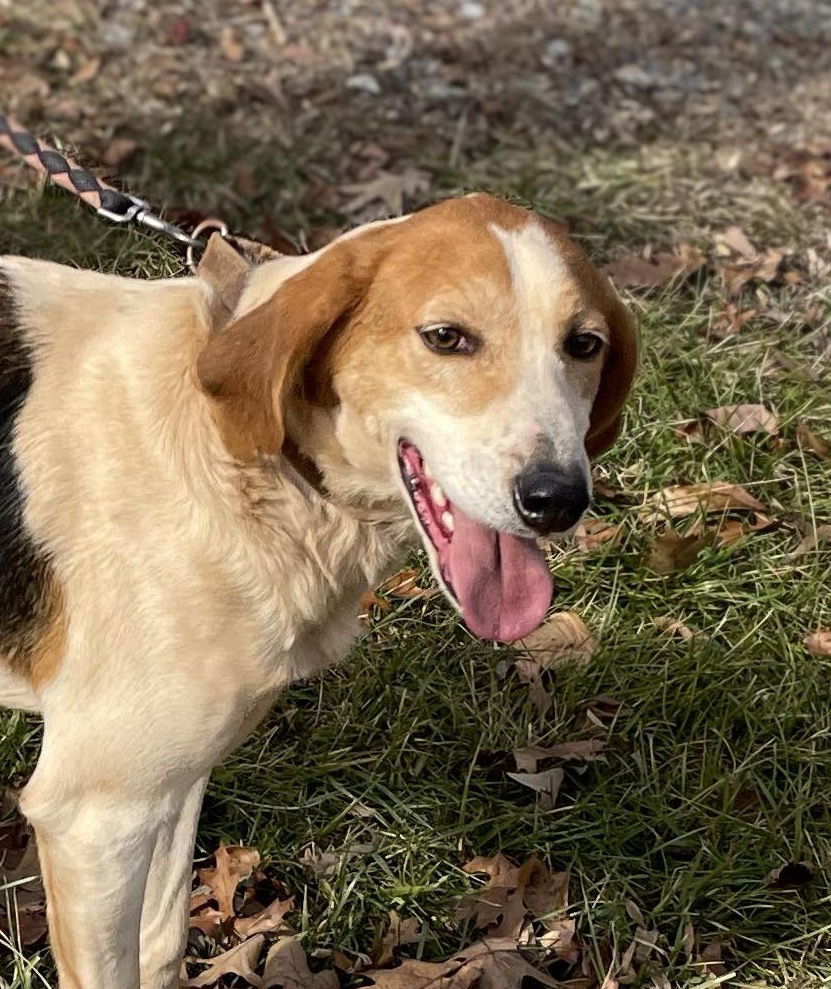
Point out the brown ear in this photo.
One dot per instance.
(250, 367)
(616, 379)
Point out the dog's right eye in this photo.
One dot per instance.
(445, 338)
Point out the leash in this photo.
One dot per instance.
(108, 202)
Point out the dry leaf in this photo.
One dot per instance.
(639, 271)
(530, 672)
(808, 170)
(403, 585)
(232, 48)
(819, 642)
(750, 267)
(744, 419)
(269, 920)
(234, 864)
(809, 543)
(813, 442)
(791, 875)
(545, 784)
(286, 967)
(493, 963)
(710, 959)
(398, 932)
(514, 893)
(85, 72)
(673, 627)
(671, 553)
(729, 531)
(775, 362)
(324, 864)
(239, 960)
(118, 151)
(689, 939)
(370, 600)
(584, 750)
(735, 240)
(565, 637)
(387, 189)
(591, 533)
(19, 866)
(602, 710)
(730, 321)
(680, 500)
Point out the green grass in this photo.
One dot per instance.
(720, 766)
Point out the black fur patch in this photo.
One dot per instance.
(24, 570)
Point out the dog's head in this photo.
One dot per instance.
(466, 361)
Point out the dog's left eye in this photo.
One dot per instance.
(583, 346)
(444, 338)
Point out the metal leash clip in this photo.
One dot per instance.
(139, 212)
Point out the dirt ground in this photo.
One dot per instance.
(343, 89)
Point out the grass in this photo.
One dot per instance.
(720, 764)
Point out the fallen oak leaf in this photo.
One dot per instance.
(563, 638)
(729, 321)
(234, 864)
(286, 967)
(813, 442)
(819, 642)
(403, 585)
(240, 960)
(681, 500)
(85, 72)
(22, 887)
(545, 784)
(730, 531)
(269, 920)
(735, 241)
(118, 151)
(398, 932)
(673, 627)
(516, 892)
(741, 419)
(672, 553)
(529, 671)
(791, 875)
(776, 362)
(494, 963)
(591, 533)
(811, 541)
(640, 271)
(370, 600)
(710, 958)
(603, 709)
(386, 188)
(585, 750)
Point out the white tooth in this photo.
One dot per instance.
(427, 472)
(437, 495)
(447, 521)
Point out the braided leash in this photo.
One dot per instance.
(110, 203)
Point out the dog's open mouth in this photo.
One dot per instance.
(499, 582)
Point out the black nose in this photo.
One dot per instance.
(550, 498)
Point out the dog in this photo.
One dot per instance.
(197, 491)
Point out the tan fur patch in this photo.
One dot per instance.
(47, 652)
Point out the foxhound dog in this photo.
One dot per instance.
(194, 498)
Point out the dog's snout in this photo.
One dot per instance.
(549, 498)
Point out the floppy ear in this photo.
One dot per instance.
(250, 367)
(615, 380)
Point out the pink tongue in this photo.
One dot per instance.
(502, 582)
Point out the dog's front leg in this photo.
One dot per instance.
(95, 847)
(164, 917)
